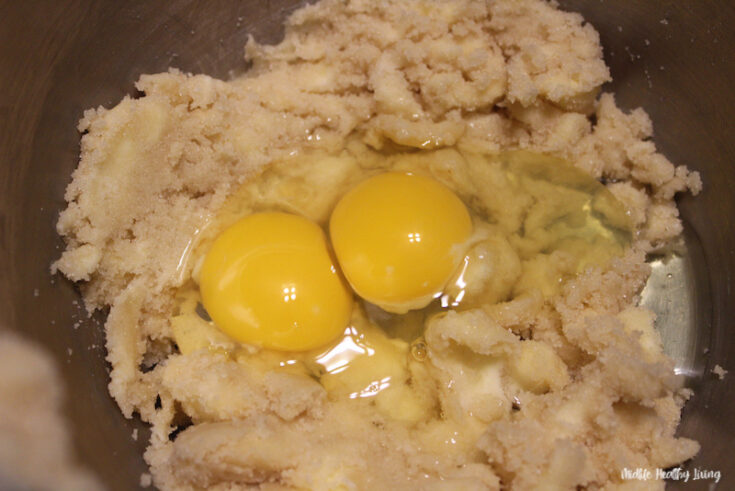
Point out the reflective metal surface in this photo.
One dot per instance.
(678, 291)
(58, 58)
(669, 294)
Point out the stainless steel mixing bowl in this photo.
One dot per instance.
(58, 58)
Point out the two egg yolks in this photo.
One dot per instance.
(270, 278)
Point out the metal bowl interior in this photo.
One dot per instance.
(57, 59)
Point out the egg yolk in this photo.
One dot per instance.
(398, 238)
(270, 280)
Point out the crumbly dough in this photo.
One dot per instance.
(719, 372)
(596, 392)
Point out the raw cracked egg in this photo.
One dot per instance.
(398, 238)
(270, 280)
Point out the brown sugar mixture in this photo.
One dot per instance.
(534, 370)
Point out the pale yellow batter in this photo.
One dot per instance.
(551, 379)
